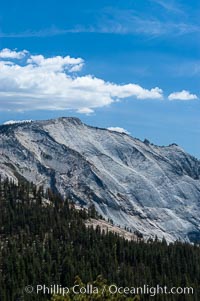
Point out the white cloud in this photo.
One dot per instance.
(183, 95)
(12, 54)
(170, 6)
(118, 129)
(125, 23)
(112, 20)
(57, 63)
(51, 84)
(86, 111)
(129, 21)
(17, 121)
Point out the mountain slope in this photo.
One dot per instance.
(155, 190)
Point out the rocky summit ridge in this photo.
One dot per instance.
(152, 189)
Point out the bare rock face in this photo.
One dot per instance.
(151, 189)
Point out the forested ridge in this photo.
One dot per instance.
(44, 240)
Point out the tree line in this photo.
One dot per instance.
(44, 240)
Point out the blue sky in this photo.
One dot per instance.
(131, 64)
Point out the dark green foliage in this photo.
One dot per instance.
(102, 294)
(47, 242)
